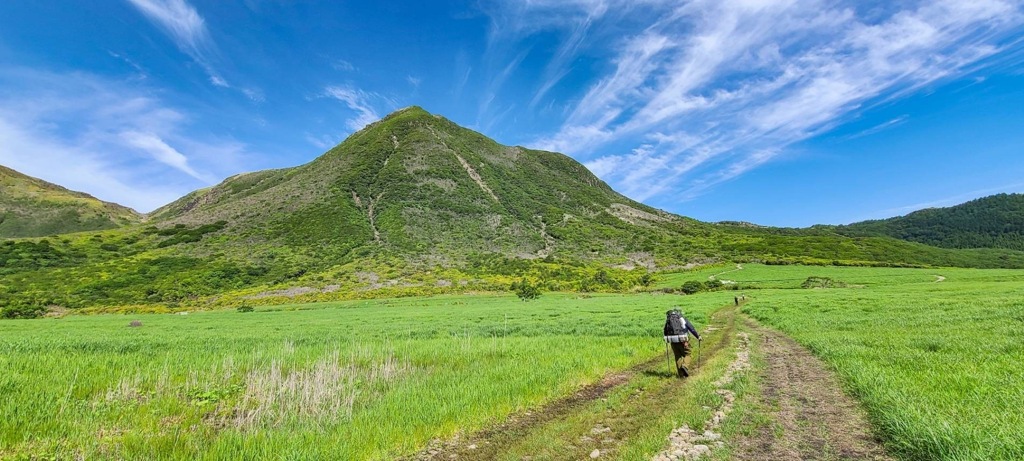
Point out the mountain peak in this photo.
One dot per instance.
(417, 183)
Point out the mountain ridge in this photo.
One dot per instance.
(995, 221)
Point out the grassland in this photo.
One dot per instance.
(351, 380)
(933, 354)
(935, 362)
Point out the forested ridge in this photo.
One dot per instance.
(996, 221)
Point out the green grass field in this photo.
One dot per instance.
(937, 365)
(352, 380)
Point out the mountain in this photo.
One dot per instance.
(419, 185)
(31, 207)
(996, 221)
(410, 205)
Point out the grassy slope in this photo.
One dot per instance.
(425, 205)
(31, 207)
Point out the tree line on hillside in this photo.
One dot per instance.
(991, 222)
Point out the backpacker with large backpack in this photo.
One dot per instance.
(675, 327)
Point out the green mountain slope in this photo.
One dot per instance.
(31, 207)
(996, 221)
(420, 185)
(410, 205)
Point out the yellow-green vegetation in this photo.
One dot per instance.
(353, 380)
(31, 207)
(934, 355)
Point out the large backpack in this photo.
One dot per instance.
(675, 322)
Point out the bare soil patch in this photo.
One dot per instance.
(811, 417)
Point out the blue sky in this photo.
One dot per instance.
(779, 112)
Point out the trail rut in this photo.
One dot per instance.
(810, 416)
(488, 443)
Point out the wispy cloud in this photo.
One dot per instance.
(343, 65)
(957, 199)
(558, 67)
(710, 89)
(493, 87)
(106, 138)
(356, 100)
(140, 73)
(162, 152)
(879, 128)
(186, 27)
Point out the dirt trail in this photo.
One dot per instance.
(610, 429)
(686, 443)
(739, 267)
(811, 418)
(487, 444)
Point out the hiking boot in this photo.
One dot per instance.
(683, 372)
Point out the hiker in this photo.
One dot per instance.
(677, 331)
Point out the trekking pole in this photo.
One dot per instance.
(667, 359)
(700, 345)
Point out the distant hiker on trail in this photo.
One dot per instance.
(677, 331)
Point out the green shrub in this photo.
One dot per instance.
(692, 287)
(22, 312)
(712, 285)
(525, 290)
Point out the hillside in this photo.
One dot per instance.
(31, 207)
(996, 221)
(419, 185)
(411, 205)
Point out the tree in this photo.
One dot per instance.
(525, 290)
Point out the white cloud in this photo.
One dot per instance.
(254, 94)
(710, 89)
(943, 202)
(879, 128)
(162, 152)
(186, 27)
(76, 167)
(106, 138)
(343, 65)
(324, 142)
(358, 101)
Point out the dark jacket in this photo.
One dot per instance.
(689, 327)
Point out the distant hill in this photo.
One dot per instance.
(31, 207)
(996, 221)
